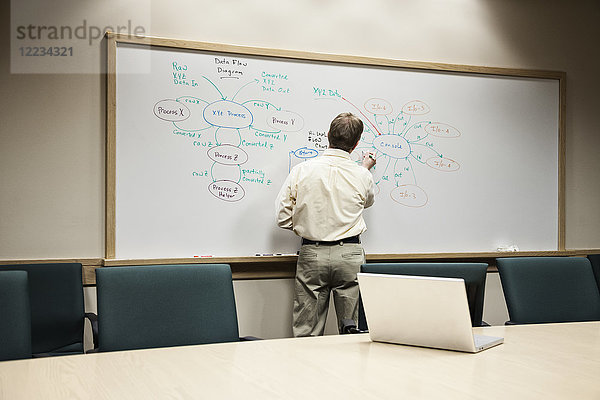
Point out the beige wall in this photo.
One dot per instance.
(52, 131)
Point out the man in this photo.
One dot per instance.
(322, 201)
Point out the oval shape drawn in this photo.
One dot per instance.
(228, 114)
(305, 153)
(226, 190)
(442, 130)
(415, 107)
(394, 146)
(378, 106)
(287, 121)
(443, 164)
(171, 110)
(409, 195)
(227, 154)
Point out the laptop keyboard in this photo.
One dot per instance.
(480, 340)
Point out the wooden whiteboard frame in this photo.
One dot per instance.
(111, 99)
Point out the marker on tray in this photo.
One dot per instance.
(274, 254)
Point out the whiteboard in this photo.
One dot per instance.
(466, 162)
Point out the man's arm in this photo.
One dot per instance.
(370, 199)
(284, 205)
(369, 162)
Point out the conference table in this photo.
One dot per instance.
(545, 361)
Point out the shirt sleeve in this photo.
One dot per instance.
(370, 199)
(284, 205)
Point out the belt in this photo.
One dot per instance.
(351, 239)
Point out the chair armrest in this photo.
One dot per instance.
(41, 355)
(249, 338)
(93, 318)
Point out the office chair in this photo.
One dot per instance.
(474, 275)
(549, 289)
(165, 305)
(57, 310)
(15, 320)
(595, 261)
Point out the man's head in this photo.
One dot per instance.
(344, 132)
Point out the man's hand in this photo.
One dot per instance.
(368, 160)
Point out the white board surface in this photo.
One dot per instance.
(465, 162)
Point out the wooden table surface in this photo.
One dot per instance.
(550, 361)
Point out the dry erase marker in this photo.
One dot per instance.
(368, 154)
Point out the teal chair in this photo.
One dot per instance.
(165, 305)
(57, 310)
(595, 260)
(474, 275)
(549, 289)
(15, 320)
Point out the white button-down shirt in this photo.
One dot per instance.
(323, 199)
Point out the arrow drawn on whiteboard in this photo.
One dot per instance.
(240, 89)
(361, 113)
(215, 86)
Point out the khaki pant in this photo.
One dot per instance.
(321, 270)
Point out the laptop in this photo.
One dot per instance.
(420, 311)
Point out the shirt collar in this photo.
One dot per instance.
(336, 153)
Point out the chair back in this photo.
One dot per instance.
(165, 305)
(549, 289)
(474, 275)
(57, 310)
(15, 320)
(595, 261)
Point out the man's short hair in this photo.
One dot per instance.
(345, 131)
